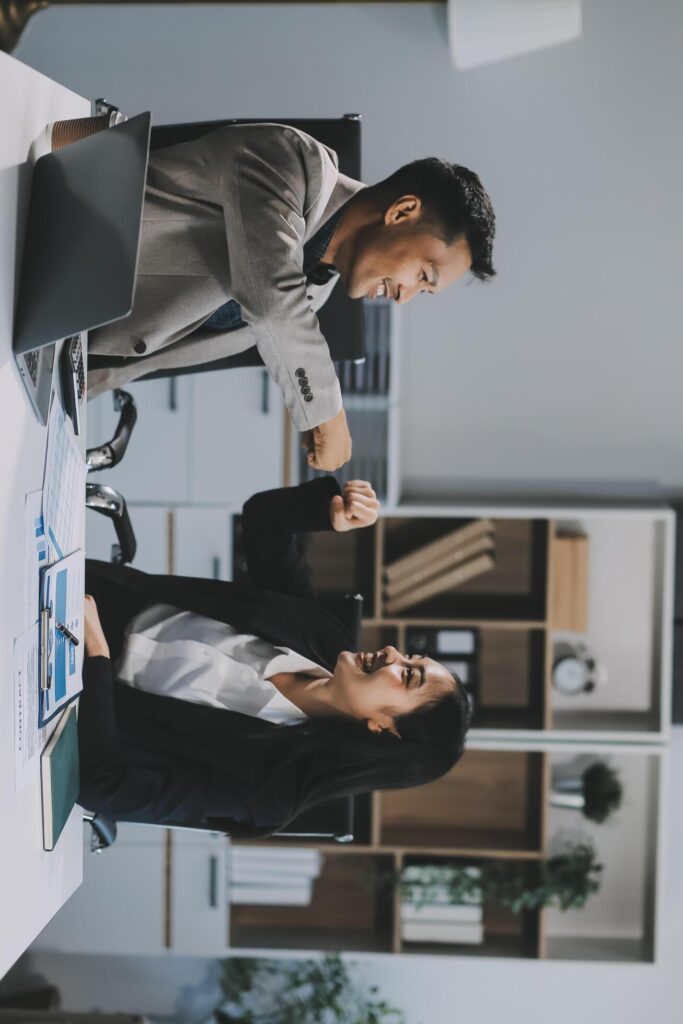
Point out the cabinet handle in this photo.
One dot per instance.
(216, 567)
(265, 393)
(213, 881)
(172, 394)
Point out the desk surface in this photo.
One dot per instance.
(33, 884)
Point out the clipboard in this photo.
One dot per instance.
(62, 586)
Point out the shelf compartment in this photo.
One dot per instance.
(626, 630)
(352, 908)
(512, 691)
(491, 800)
(514, 589)
(343, 563)
(505, 934)
(618, 922)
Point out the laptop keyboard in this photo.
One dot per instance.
(32, 360)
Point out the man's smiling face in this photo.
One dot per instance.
(401, 256)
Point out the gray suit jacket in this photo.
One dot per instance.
(226, 217)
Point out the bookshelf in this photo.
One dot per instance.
(600, 574)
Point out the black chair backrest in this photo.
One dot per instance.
(341, 318)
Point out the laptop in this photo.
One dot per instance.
(80, 247)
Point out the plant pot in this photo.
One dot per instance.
(568, 793)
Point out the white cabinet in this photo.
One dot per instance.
(144, 896)
(238, 436)
(151, 528)
(202, 542)
(199, 901)
(119, 908)
(156, 464)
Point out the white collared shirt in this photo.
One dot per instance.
(190, 657)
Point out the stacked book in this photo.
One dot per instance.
(428, 914)
(260, 875)
(440, 566)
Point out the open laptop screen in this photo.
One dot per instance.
(82, 235)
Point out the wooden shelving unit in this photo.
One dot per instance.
(495, 804)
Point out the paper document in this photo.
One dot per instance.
(29, 738)
(61, 658)
(36, 555)
(63, 484)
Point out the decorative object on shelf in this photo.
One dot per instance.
(568, 604)
(575, 669)
(441, 565)
(263, 876)
(439, 918)
(485, 31)
(260, 991)
(565, 880)
(597, 792)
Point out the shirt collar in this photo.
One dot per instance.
(316, 247)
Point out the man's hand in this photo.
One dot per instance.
(96, 645)
(357, 506)
(329, 445)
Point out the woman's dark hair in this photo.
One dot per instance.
(326, 758)
(454, 199)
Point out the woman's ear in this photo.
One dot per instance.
(383, 723)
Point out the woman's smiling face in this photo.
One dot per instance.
(379, 686)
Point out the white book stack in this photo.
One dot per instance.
(259, 875)
(437, 919)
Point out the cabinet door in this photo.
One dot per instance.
(237, 447)
(203, 542)
(155, 466)
(120, 906)
(199, 899)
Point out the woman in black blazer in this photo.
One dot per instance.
(374, 720)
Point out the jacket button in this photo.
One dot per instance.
(300, 372)
(139, 347)
(305, 391)
(308, 398)
(303, 381)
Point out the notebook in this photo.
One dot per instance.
(59, 776)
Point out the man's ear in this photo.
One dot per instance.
(383, 723)
(405, 209)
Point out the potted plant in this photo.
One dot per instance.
(597, 792)
(565, 880)
(261, 991)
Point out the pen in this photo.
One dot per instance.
(45, 680)
(65, 631)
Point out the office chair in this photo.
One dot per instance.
(106, 500)
(332, 820)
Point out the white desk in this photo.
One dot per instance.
(33, 884)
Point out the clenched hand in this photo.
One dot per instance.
(329, 445)
(355, 507)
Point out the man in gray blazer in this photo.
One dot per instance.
(245, 232)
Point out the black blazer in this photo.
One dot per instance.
(159, 759)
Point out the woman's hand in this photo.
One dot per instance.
(96, 645)
(357, 506)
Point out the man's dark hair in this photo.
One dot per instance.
(455, 199)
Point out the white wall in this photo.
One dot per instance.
(568, 367)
